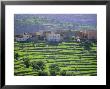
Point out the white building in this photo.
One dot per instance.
(78, 39)
(53, 37)
(23, 37)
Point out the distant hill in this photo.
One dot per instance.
(35, 22)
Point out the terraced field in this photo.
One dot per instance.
(71, 58)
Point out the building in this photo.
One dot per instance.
(86, 34)
(52, 37)
(92, 34)
(46, 33)
(33, 39)
(23, 37)
(80, 34)
(39, 33)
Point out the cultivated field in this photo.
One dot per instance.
(63, 59)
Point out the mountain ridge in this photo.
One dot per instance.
(36, 22)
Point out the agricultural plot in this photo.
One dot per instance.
(63, 59)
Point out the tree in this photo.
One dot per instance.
(34, 45)
(87, 45)
(54, 69)
(39, 65)
(53, 73)
(26, 62)
(73, 38)
(42, 73)
(16, 56)
(63, 73)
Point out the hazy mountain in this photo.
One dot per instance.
(35, 22)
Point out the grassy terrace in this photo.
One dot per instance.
(70, 57)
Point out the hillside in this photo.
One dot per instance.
(35, 22)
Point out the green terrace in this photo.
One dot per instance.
(70, 57)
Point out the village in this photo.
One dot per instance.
(57, 36)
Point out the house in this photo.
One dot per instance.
(67, 35)
(33, 39)
(80, 34)
(92, 34)
(22, 38)
(46, 33)
(40, 35)
(86, 34)
(53, 37)
(78, 39)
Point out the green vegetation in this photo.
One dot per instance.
(64, 59)
(38, 65)
(54, 69)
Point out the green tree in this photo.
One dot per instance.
(54, 69)
(42, 73)
(87, 45)
(26, 62)
(39, 65)
(63, 73)
(16, 56)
